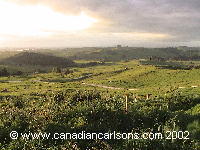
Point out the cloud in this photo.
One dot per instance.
(180, 19)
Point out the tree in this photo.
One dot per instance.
(4, 72)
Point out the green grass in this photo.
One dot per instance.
(147, 79)
(53, 102)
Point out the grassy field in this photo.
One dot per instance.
(93, 99)
(145, 79)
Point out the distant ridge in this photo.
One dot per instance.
(32, 58)
(129, 53)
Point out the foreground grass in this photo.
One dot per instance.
(54, 102)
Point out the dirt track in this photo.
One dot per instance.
(107, 87)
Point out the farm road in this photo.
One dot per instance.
(108, 87)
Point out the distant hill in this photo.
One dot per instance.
(31, 58)
(129, 53)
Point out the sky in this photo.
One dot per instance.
(90, 23)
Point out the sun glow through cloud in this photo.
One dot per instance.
(20, 20)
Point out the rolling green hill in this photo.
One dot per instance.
(34, 59)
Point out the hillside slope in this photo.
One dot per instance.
(30, 58)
